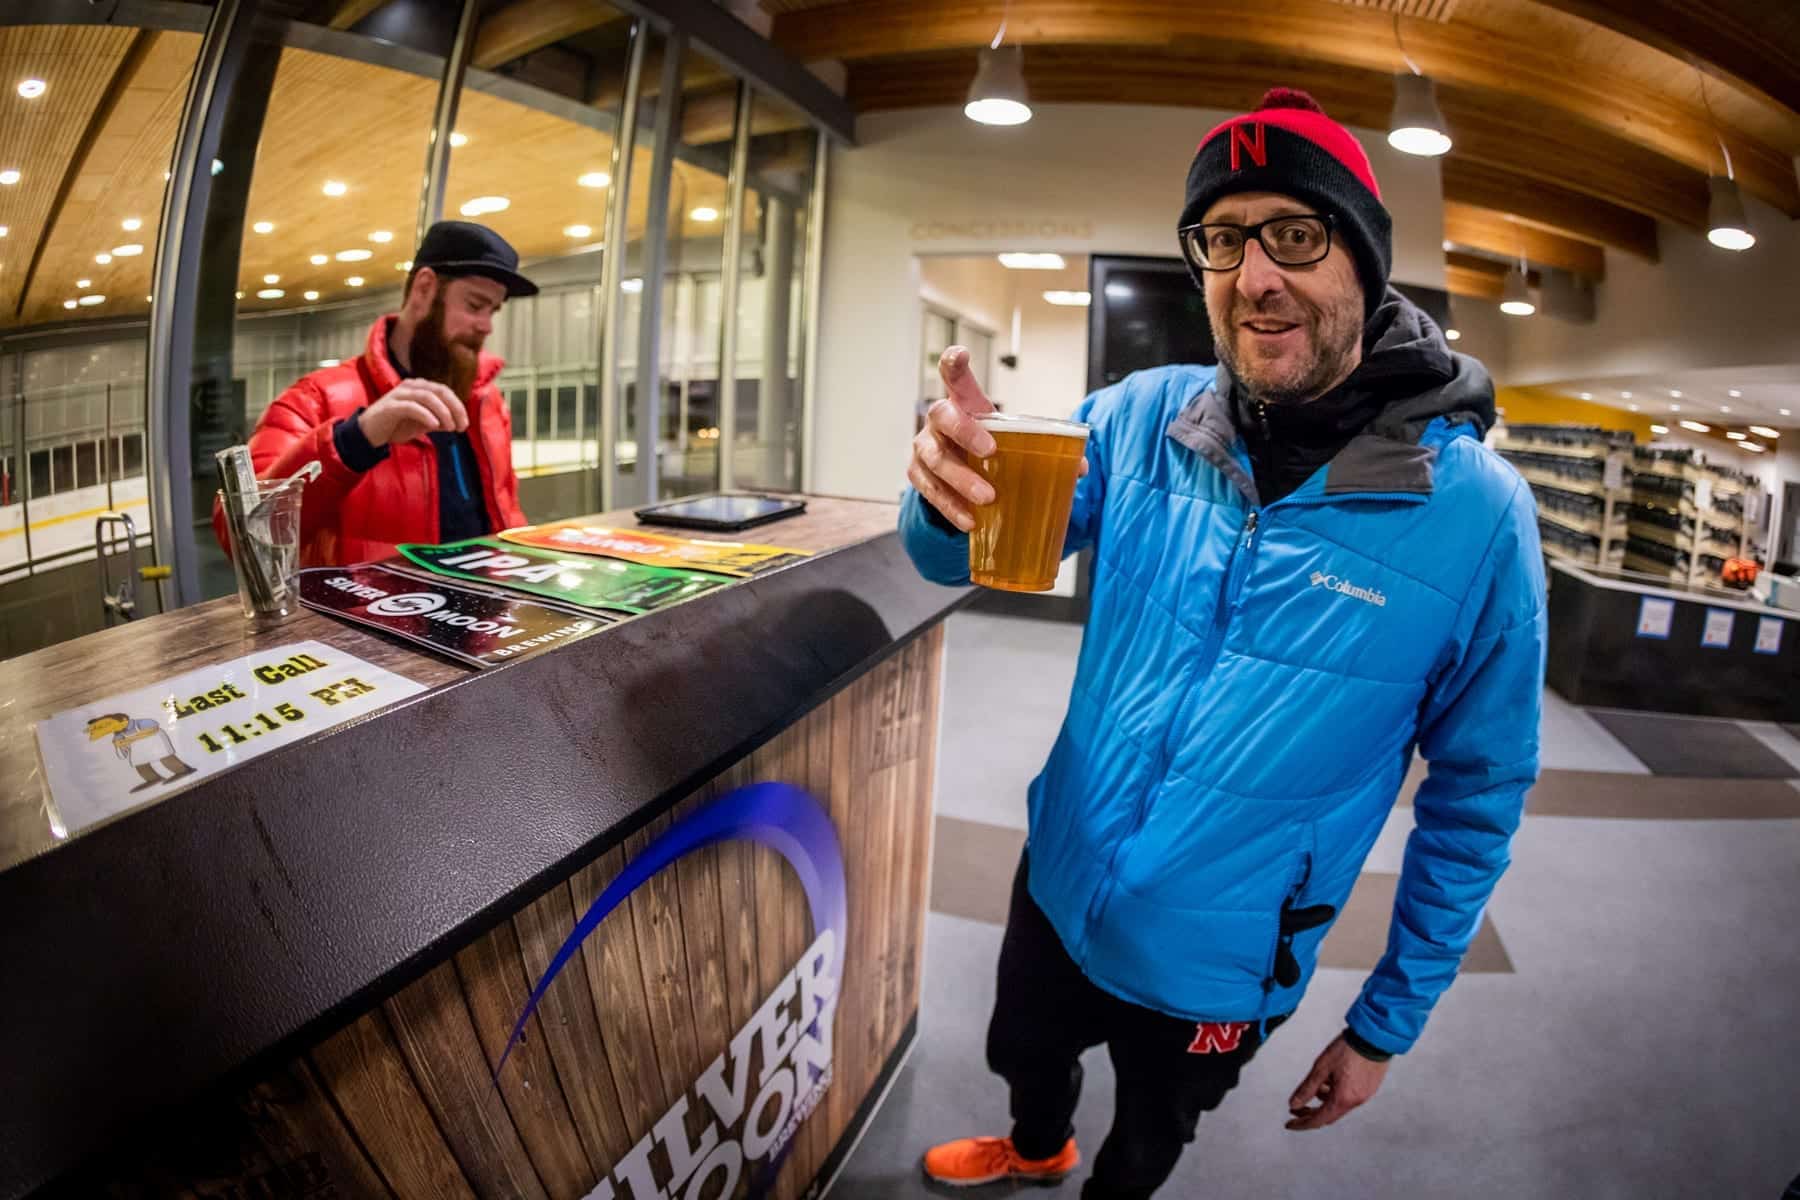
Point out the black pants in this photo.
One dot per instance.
(1047, 1012)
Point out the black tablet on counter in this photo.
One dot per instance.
(722, 513)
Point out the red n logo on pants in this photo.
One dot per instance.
(1256, 144)
(1217, 1037)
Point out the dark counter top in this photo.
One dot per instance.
(254, 911)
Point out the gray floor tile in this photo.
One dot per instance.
(1697, 747)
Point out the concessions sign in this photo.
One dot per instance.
(477, 627)
(112, 755)
(656, 549)
(578, 580)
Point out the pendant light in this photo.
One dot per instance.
(1516, 300)
(1726, 225)
(1416, 126)
(998, 95)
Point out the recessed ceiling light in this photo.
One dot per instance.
(328, 362)
(403, 266)
(4, 231)
(577, 231)
(357, 255)
(1733, 393)
(1674, 408)
(240, 295)
(1784, 412)
(1632, 407)
(458, 139)
(9, 176)
(84, 284)
(1449, 245)
(68, 304)
(1022, 260)
(310, 295)
(131, 224)
(482, 205)
(382, 236)
(149, 299)
(270, 294)
(1735, 436)
(633, 284)
(1765, 431)
(594, 179)
(705, 212)
(103, 258)
(1696, 426)
(1624, 395)
(355, 281)
(1675, 393)
(271, 279)
(1659, 429)
(263, 227)
(319, 260)
(91, 299)
(1069, 299)
(1585, 395)
(128, 250)
(334, 188)
(1451, 335)
(31, 89)
(1751, 446)
(1724, 408)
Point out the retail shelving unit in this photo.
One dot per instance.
(1581, 478)
(1687, 516)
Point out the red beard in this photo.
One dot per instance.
(435, 357)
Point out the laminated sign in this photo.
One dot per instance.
(472, 625)
(573, 579)
(136, 747)
(656, 549)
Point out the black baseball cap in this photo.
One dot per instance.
(453, 248)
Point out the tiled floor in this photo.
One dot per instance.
(1643, 1042)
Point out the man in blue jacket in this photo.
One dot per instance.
(1306, 566)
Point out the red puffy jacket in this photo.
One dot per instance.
(350, 516)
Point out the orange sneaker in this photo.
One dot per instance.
(968, 1162)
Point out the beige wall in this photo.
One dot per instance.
(1078, 178)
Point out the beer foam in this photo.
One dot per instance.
(1010, 423)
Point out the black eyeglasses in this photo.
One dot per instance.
(1292, 241)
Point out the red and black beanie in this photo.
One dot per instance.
(1288, 145)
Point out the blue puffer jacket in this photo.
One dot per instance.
(1254, 681)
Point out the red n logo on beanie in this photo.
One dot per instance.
(1256, 144)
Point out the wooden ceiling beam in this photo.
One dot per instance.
(1749, 44)
(342, 14)
(527, 25)
(1492, 74)
(1497, 233)
(1481, 278)
(1545, 206)
(1523, 139)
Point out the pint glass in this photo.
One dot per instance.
(1017, 541)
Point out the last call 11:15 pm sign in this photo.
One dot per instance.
(136, 747)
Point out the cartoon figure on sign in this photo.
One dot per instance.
(142, 743)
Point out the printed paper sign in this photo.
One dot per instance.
(474, 626)
(1768, 635)
(1718, 628)
(1655, 617)
(656, 549)
(578, 580)
(115, 754)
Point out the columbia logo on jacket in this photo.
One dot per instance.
(1344, 587)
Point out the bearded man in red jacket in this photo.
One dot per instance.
(413, 439)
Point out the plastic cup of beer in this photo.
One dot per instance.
(1017, 541)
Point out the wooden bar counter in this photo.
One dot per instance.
(300, 977)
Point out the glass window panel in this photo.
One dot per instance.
(40, 473)
(62, 468)
(134, 454)
(771, 309)
(87, 464)
(536, 131)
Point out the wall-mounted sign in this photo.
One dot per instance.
(1768, 634)
(579, 580)
(135, 747)
(1717, 632)
(656, 549)
(474, 626)
(748, 1121)
(1656, 616)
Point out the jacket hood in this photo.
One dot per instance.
(1406, 357)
